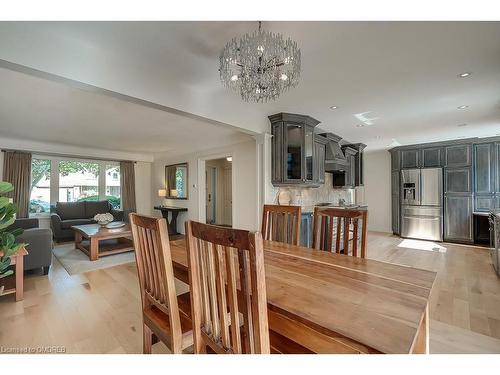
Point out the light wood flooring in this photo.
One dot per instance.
(99, 311)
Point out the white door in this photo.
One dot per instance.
(228, 197)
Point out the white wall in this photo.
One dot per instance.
(245, 200)
(377, 192)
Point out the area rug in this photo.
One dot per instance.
(75, 262)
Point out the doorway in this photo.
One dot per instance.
(218, 191)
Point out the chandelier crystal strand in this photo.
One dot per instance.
(260, 66)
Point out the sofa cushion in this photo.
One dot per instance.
(70, 210)
(94, 208)
(67, 224)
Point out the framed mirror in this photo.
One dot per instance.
(176, 181)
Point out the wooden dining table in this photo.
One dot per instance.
(332, 303)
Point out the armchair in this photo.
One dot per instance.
(39, 242)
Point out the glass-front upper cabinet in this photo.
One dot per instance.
(294, 151)
(294, 160)
(308, 150)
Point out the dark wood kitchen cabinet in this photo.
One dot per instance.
(297, 154)
(432, 157)
(458, 155)
(471, 174)
(458, 218)
(319, 159)
(484, 168)
(350, 172)
(358, 163)
(410, 158)
(458, 180)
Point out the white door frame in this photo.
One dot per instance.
(202, 213)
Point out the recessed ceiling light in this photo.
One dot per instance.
(229, 158)
(464, 74)
(333, 107)
(463, 107)
(461, 125)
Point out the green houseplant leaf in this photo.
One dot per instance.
(8, 245)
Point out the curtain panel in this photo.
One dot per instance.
(128, 186)
(17, 171)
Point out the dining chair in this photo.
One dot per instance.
(166, 316)
(281, 223)
(336, 222)
(228, 289)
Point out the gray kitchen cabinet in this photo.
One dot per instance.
(350, 173)
(410, 158)
(277, 153)
(395, 160)
(319, 157)
(484, 168)
(457, 180)
(497, 167)
(358, 163)
(395, 194)
(484, 202)
(395, 215)
(458, 155)
(432, 157)
(294, 151)
(458, 218)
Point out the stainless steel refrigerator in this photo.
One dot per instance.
(422, 203)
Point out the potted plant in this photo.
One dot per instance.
(8, 245)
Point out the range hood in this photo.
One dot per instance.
(335, 159)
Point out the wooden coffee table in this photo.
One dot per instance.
(96, 241)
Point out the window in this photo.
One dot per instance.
(113, 185)
(56, 179)
(78, 181)
(40, 186)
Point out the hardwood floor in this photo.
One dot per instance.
(99, 311)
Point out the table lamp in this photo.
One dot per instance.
(173, 193)
(162, 193)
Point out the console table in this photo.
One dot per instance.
(172, 224)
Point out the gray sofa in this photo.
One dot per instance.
(39, 242)
(68, 214)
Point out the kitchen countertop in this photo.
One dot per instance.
(310, 208)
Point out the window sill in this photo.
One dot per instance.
(44, 215)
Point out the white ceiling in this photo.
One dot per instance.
(43, 110)
(402, 73)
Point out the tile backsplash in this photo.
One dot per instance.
(305, 197)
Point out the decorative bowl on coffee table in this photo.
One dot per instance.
(103, 219)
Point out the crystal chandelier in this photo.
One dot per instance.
(260, 66)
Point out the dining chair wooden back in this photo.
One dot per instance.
(330, 223)
(227, 280)
(160, 305)
(281, 223)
